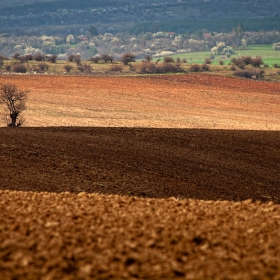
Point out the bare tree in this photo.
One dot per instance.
(107, 58)
(127, 58)
(68, 68)
(14, 99)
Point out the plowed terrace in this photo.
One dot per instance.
(85, 187)
(176, 101)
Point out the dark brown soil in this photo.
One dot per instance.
(156, 163)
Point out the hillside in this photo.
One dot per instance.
(144, 177)
(197, 136)
(32, 17)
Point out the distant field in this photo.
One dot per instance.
(269, 55)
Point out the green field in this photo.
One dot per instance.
(268, 55)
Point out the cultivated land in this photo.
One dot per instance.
(94, 201)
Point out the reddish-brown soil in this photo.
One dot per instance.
(205, 230)
(176, 101)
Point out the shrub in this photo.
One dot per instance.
(52, 58)
(43, 67)
(147, 68)
(247, 60)
(68, 68)
(275, 65)
(85, 68)
(71, 57)
(21, 59)
(205, 67)
(249, 73)
(19, 68)
(28, 57)
(8, 67)
(127, 58)
(221, 62)
(39, 57)
(169, 68)
(96, 59)
(232, 67)
(16, 56)
(77, 59)
(184, 60)
(116, 68)
(195, 68)
(107, 58)
(208, 60)
(169, 59)
(257, 62)
(239, 63)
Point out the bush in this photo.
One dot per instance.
(52, 58)
(85, 68)
(232, 67)
(240, 63)
(43, 66)
(250, 73)
(153, 68)
(221, 62)
(205, 67)
(96, 59)
(77, 59)
(208, 60)
(19, 68)
(8, 67)
(39, 57)
(28, 57)
(247, 60)
(184, 60)
(116, 68)
(127, 58)
(275, 65)
(71, 57)
(169, 59)
(16, 56)
(169, 68)
(107, 58)
(148, 68)
(257, 62)
(68, 68)
(195, 68)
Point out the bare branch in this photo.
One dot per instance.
(14, 100)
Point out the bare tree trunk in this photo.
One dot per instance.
(13, 119)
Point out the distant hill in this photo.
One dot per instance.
(30, 17)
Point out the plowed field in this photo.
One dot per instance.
(176, 101)
(168, 177)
